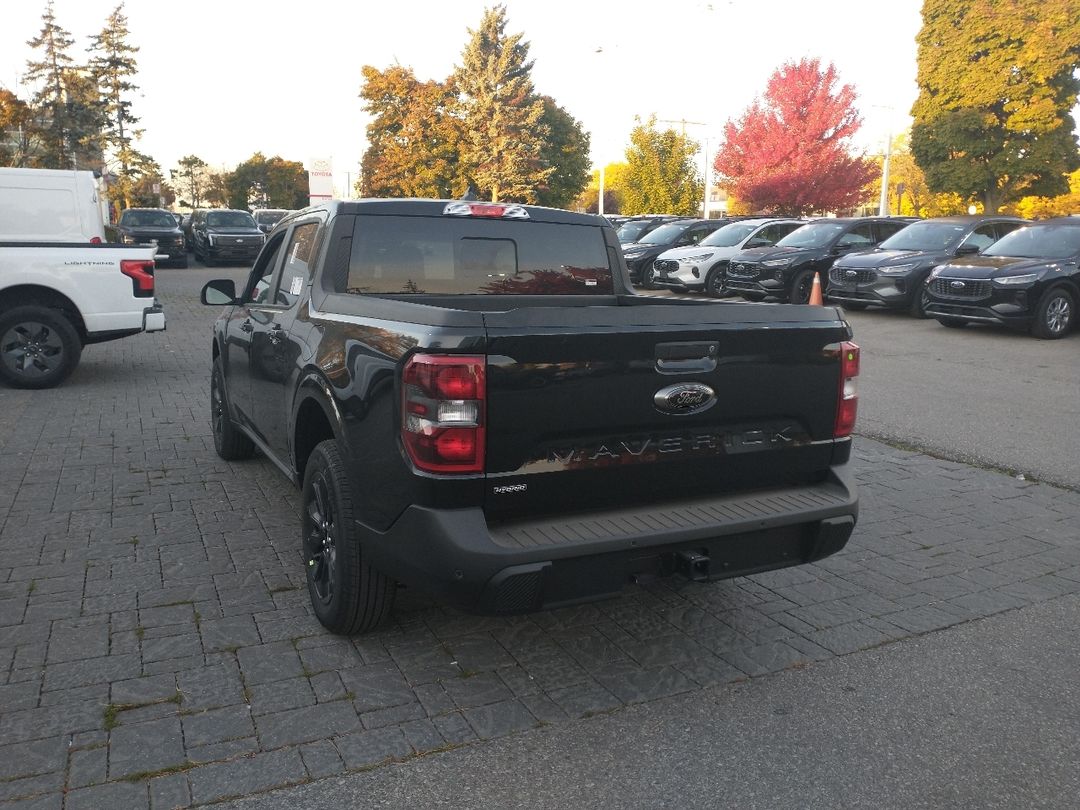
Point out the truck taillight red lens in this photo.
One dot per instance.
(141, 273)
(443, 403)
(848, 403)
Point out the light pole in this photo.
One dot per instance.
(883, 202)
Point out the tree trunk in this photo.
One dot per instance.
(991, 201)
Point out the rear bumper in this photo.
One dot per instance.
(154, 318)
(547, 562)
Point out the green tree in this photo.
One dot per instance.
(50, 73)
(661, 173)
(415, 136)
(112, 66)
(996, 84)
(191, 176)
(503, 118)
(261, 182)
(566, 152)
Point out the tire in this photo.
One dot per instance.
(39, 346)
(229, 442)
(183, 263)
(714, 282)
(919, 300)
(1055, 314)
(801, 285)
(648, 274)
(349, 595)
(952, 323)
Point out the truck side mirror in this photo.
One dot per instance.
(219, 293)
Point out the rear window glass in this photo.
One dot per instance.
(461, 256)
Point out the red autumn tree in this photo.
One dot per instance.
(790, 152)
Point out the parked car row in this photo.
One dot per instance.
(959, 270)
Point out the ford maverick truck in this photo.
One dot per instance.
(475, 404)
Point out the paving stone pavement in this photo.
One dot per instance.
(157, 648)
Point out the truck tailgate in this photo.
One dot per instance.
(596, 407)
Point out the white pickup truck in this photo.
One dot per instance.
(58, 294)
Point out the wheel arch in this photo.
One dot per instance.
(23, 294)
(315, 418)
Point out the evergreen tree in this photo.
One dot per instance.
(502, 116)
(112, 65)
(661, 174)
(566, 152)
(996, 86)
(50, 102)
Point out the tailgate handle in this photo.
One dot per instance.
(686, 358)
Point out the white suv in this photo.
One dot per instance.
(701, 267)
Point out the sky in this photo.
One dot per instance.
(223, 79)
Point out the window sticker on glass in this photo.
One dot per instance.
(296, 285)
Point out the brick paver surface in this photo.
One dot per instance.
(157, 648)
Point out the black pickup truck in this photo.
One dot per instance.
(474, 403)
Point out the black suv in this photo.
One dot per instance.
(785, 272)
(142, 226)
(1030, 280)
(225, 234)
(894, 275)
(633, 229)
(640, 255)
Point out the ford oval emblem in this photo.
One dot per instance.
(957, 285)
(684, 399)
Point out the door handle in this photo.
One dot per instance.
(247, 326)
(686, 358)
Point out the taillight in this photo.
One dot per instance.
(95, 240)
(497, 210)
(848, 402)
(141, 273)
(443, 401)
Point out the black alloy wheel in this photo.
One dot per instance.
(714, 281)
(649, 276)
(320, 540)
(801, 287)
(919, 299)
(39, 347)
(347, 594)
(1054, 314)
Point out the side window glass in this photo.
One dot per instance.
(259, 284)
(887, 229)
(982, 237)
(860, 236)
(296, 272)
(1006, 227)
(770, 235)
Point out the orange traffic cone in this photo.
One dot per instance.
(815, 293)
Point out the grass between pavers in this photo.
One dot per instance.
(111, 713)
(180, 767)
(1012, 472)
